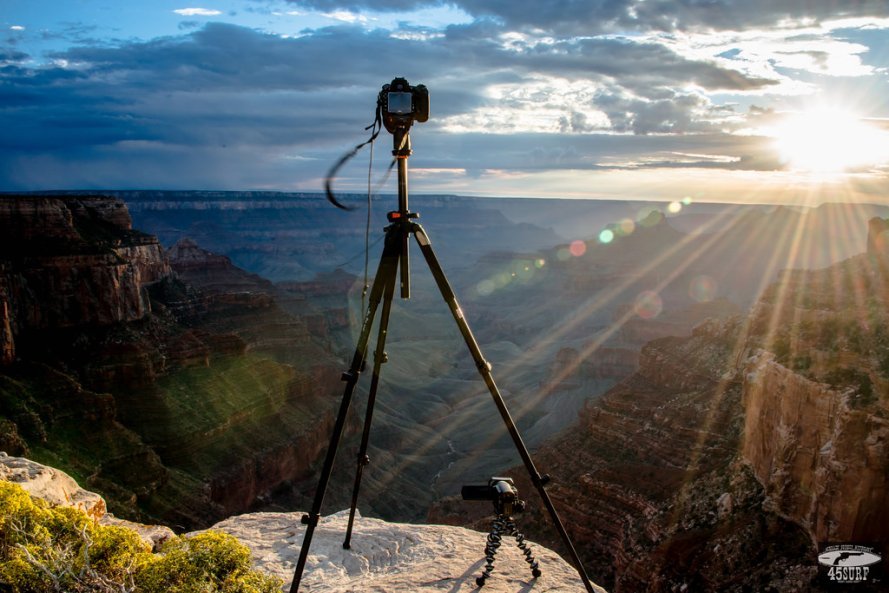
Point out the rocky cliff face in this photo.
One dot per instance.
(817, 399)
(652, 464)
(70, 262)
(730, 455)
(655, 494)
(878, 236)
(181, 392)
(824, 464)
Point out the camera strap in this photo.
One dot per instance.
(375, 128)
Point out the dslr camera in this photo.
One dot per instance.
(500, 491)
(402, 104)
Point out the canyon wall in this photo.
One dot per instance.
(69, 262)
(823, 463)
(730, 455)
(176, 386)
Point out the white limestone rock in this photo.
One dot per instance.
(52, 485)
(59, 489)
(384, 557)
(394, 557)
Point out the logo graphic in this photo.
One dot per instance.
(849, 563)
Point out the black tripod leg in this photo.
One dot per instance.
(385, 276)
(379, 359)
(484, 368)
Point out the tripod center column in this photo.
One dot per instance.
(401, 151)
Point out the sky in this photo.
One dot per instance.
(766, 101)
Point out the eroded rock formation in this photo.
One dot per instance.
(180, 392)
(730, 455)
(72, 262)
(823, 463)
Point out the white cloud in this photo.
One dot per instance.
(17, 28)
(197, 12)
(346, 16)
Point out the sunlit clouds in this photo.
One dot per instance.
(197, 12)
(624, 100)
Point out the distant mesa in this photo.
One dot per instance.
(187, 254)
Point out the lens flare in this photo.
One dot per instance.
(649, 217)
(702, 289)
(625, 227)
(648, 305)
(486, 287)
(606, 236)
(577, 248)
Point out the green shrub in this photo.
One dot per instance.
(45, 549)
(210, 561)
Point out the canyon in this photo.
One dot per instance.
(732, 456)
(709, 418)
(181, 402)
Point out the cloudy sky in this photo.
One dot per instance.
(713, 100)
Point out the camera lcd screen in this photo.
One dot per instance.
(400, 103)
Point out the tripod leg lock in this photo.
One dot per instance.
(541, 480)
(310, 519)
(484, 366)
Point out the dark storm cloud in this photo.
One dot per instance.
(9, 56)
(220, 82)
(638, 66)
(675, 114)
(600, 16)
(200, 107)
(215, 82)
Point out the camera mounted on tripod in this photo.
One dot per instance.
(402, 104)
(500, 491)
(399, 105)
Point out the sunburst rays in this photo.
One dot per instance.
(796, 245)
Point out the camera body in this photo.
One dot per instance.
(402, 104)
(500, 491)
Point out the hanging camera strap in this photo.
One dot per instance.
(375, 128)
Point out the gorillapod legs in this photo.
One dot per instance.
(500, 526)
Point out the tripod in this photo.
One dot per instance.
(395, 258)
(503, 524)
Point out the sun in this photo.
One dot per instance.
(829, 140)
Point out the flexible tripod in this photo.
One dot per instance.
(504, 524)
(395, 257)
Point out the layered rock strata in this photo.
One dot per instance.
(72, 262)
(181, 392)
